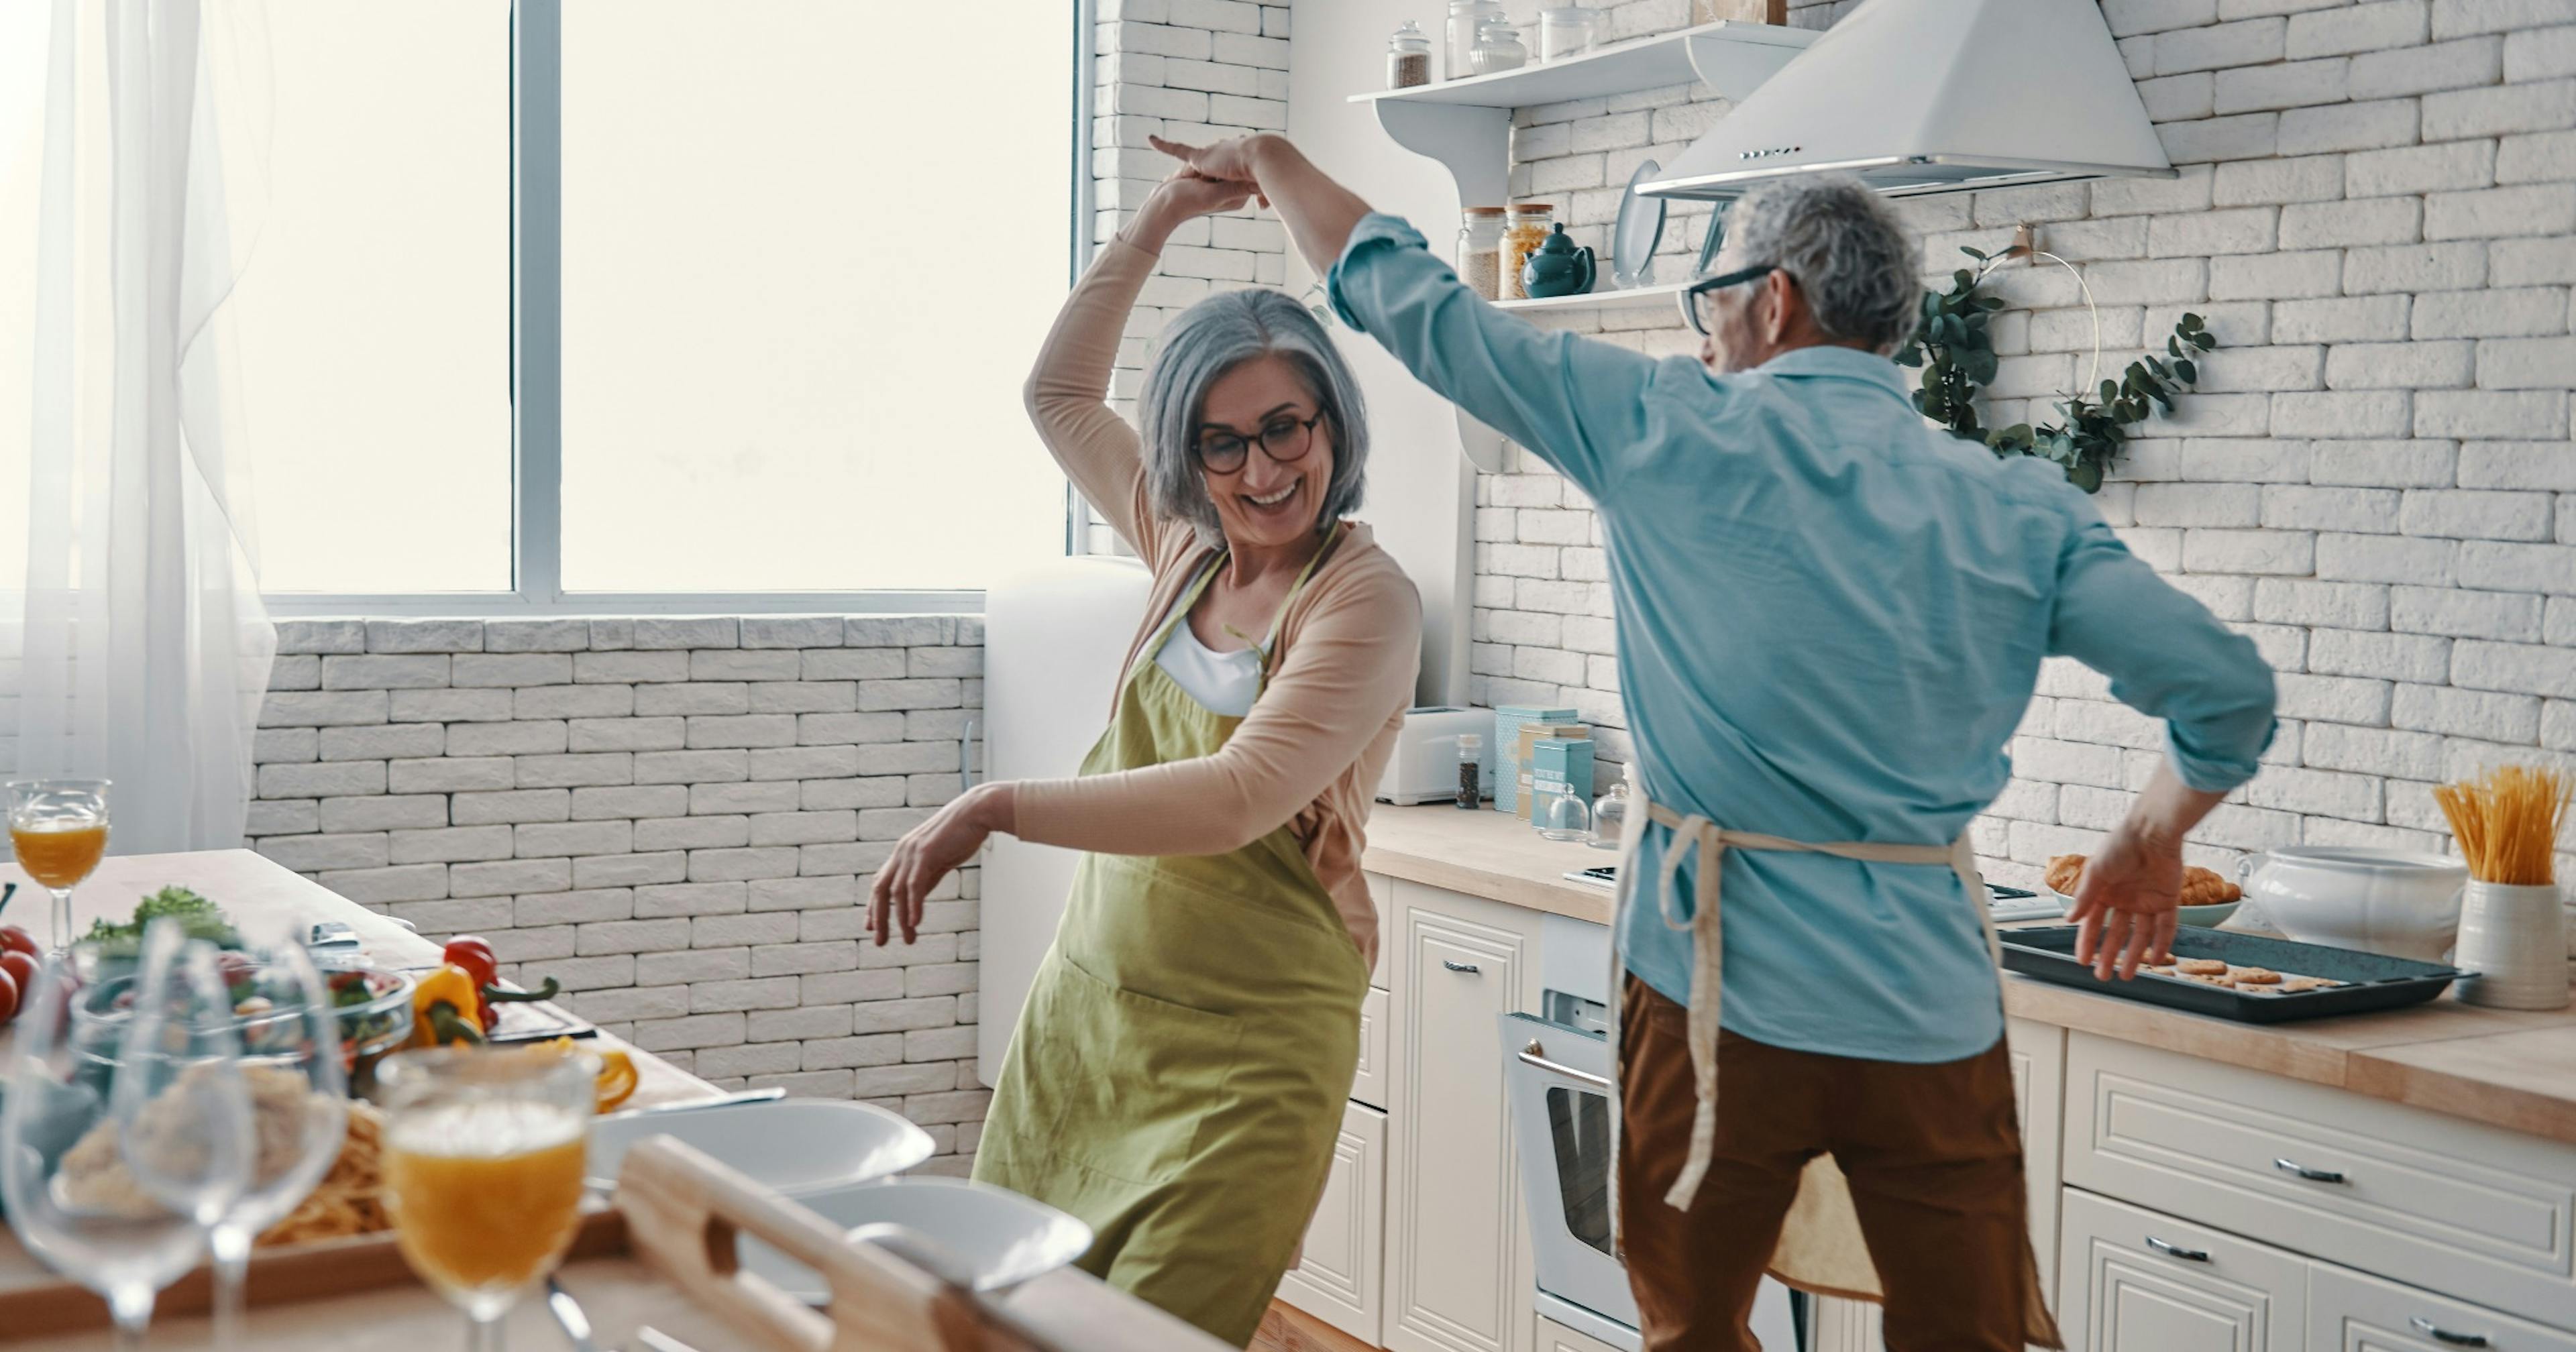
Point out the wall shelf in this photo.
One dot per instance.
(1466, 125)
(1661, 293)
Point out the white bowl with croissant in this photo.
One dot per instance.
(2207, 898)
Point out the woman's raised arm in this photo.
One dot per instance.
(1068, 388)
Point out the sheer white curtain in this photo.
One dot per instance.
(144, 647)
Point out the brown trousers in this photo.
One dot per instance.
(1932, 1152)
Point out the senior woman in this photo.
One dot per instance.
(1178, 1074)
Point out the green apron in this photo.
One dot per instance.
(1178, 1076)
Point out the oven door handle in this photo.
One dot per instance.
(1536, 1055)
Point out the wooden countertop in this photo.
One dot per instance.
(2500, 1067)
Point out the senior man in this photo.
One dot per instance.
(1830, 620)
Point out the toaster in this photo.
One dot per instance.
(1424, 768)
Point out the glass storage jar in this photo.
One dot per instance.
(1408, 57)
(1480, 250)
(1466, 19)
(1525, 227)
(1498, 48)
(1567, 30)
(1610, 818)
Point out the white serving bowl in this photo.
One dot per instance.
(2393, 902)
(797, 1146)
(973, 1235)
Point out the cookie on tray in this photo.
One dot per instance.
(2255, 976)
(2200, 967)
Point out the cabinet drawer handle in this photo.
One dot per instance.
(2177, 1251)
(2303, 1171)
(1468, 967)
(2440, 1334)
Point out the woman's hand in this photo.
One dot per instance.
(1186, 195)
(2125, 903)
(1228, 161)
(932, 851)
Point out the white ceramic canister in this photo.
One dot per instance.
(2512, 943)
(2395, 902)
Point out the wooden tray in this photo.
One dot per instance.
(666, 1253)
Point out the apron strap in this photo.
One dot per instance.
(1695, 832)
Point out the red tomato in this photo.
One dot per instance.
(474, 954)
(14, 939)
(8, 997)
(20, 968)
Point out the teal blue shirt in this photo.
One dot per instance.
(1830, 619)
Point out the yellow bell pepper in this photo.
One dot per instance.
(445, 1008)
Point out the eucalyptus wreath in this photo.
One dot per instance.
(1955, 349)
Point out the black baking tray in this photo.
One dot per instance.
(2371, 981)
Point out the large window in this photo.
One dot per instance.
(576, 304)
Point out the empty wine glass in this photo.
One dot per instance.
(58, 827)
(180, 1097)
(72, 1197)
(289, 1033)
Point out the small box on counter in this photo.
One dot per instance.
(1559, 765)
(1525, 757)
(1509, 719)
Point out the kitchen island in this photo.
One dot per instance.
(2195, 1183)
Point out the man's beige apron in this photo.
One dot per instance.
(1821, 1249)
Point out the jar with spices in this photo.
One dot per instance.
(1408, 57)
(1567, 30)
(1499, 48)
(1525, 228)
(1466, 19)
(1480, 251)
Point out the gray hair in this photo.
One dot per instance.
(1860, 270)
(1213, 337)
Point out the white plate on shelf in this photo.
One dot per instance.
(980, 1237)
(797, 1146)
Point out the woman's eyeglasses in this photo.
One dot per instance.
(1695, 301)
(1283, 439)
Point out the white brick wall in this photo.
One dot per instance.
(677, 817)
(2375, 214)
(1194, 71)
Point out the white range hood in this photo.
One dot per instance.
(1933, 96)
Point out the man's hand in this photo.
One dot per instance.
(2125, 903)
(1319, 213)
(1186, 195)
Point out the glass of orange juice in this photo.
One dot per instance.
(58, 828)
(483, 1170)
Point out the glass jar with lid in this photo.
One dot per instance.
(1525, 228)
(1567, 30)
(1466, 19)
(1408, 57)
(1498, 48)
(1480, 250)
(1610, 816)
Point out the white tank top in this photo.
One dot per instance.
(1226, 683)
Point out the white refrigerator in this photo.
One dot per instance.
(1053, 639)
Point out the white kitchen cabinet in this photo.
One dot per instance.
(1338, 1278)
(1382, 892)
(1458, 1273)
(2381, 1187)
(2134, 1280)
(2352, 1312)
(2039, 1095)
(1369, 1082)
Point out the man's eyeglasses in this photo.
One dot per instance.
(1695, 301)
(1284, 439)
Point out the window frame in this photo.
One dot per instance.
(536, 379)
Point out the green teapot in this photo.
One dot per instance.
(1557, 268)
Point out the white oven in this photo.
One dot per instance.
(1557, 1064)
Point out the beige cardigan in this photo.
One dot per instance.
(1311, 751)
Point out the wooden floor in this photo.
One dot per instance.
(1287, 1329)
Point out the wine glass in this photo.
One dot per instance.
(58, 827)
(278, 1012)
(483, 1170)
(72, 1197)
